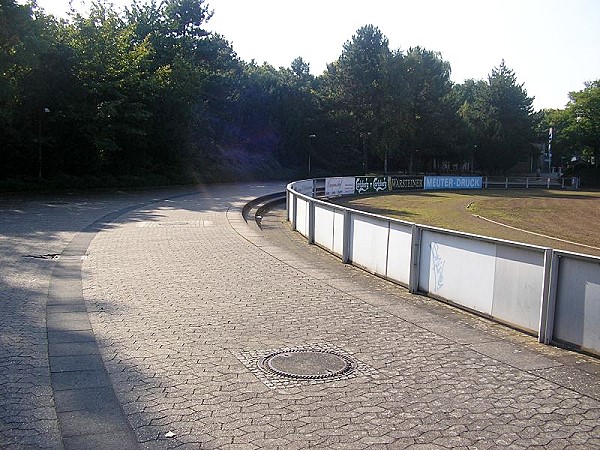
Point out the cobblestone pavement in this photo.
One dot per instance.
(34, 231)
(185, 299)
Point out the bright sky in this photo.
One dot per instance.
(552, 45)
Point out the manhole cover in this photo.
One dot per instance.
(307, 364)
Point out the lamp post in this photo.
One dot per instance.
(44, 111)
(311, 137)
(365, 154)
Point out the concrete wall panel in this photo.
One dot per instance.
(400, 243)
(577, 314)
(369, 240)
(302, 216)
(518, 285)
(338, 232)
(324, 218)
(459, 269)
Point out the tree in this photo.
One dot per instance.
(499, 115)
(429, 120)
(114, 109)
(355, 85)
(186, 18)
(583, 110)
(396, 130)
(563, 145)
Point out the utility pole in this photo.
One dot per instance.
(310, 147)
(550, 136)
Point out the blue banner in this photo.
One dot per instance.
(439, 183)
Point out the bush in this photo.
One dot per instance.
(588, 175)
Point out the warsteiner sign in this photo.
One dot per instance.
(406, 183)
(364, 185)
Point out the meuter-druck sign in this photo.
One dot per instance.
(339, 186)
(370, 184)
(453, 182)
(406, 183)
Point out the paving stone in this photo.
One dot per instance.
(171, 303)
(76, 363)
(77, 423)
(113, 440)
(72, 336)
(72, 348)
(87, 399)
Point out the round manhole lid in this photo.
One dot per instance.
(307, 364)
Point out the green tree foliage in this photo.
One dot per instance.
(430, 120)
(149, 91)
(583, 111)
(26, 53)
(113, 110)
(355, 86)
(499, 116)
(563, 146)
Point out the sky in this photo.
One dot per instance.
(553, 46)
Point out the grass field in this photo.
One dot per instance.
(572, 216)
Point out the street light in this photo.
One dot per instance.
(365, 154)
(311, 137)
(44, 111)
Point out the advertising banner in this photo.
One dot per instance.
(406, 183)
(304, 187)
(339, 186)
(364, 185)
(453, 182)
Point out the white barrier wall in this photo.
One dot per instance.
(399, 253)
(338, 232)
(329, 228)
(577, 312)
(289, 206)
(369, 243)
(458, 269)
(555, 295)
(498, 279)
(324, 226)
(518, 285)
(302, 216)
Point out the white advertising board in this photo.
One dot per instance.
(339, 186)
(304, 187)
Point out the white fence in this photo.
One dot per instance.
(552, 294)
